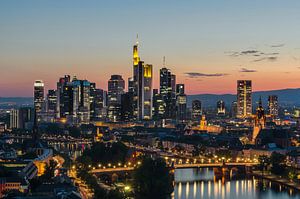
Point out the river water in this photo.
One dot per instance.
(200, 183)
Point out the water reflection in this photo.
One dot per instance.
(200, 183)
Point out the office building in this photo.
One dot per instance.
(196, 110)
(221, 107)
(244, 98)
(39, 98)
(167, 92)
(181, 101)
(116, 86)
(273, 106)
(141, 86)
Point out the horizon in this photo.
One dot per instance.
(208, 45)
(187, 94)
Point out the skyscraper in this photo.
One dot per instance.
(167, 92)
(51, 101)
(221, 107)
(116, 86)
(81, 101)
(196, 110)
(21, 118)
(39, 98)
(180, 103)
(61, 106)
(244, 98)
(97, 103)
(141, 86)
(158, 105)
(273, 105)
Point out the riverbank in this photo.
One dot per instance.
(277, 179)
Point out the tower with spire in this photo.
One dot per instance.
(259, 120)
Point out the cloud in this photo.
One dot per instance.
(260, 56)
(272, 58)
(247, 52)
(277, 45)
(196, 75)
(245, 70)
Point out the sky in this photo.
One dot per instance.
(207, 44)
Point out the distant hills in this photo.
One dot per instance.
(286, 97)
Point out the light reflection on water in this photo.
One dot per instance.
(200, 183)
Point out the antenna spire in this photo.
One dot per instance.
(137, 38)
(164, 61)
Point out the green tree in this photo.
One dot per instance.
(49, 170)
(153, 180)
(278, 163)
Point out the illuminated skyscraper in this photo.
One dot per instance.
(196, 110)
(180, 103)
(62, 107)
(51, 101)
(21, 118)
(116, 86)
(81, 101)
(244, 98)
(221, 107)
(167, 92)
(39, 97)
(141, 86)
(273, 105)
(97, 103)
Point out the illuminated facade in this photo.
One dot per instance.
(39, 97)
(116, 86)
(259, 120)
(181, 101)
(141, 87)
(63, 105)
(97, 103)
(273, 106)
(167, 92)
(244, 98)
(196, 110)
(221, 107)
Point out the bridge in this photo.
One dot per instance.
(178, 166)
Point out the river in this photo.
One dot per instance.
(200, 183)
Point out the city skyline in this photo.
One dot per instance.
(207, 49)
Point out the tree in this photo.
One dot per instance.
(152, 179)
(49, 170)
(277, 161)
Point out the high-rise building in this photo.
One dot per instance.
(97, 103)
(221, 107)
(62, 107)
(233, 109)
(141, 86)
(158, 105)
(21, 118)
(196, 110)
(81, 101)
(116, 86)
(181, 100)
(244, 98)
(51, 104)
(126, 107)
(39, 98)
(51, 101)
(167, 92)
(273, 105)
